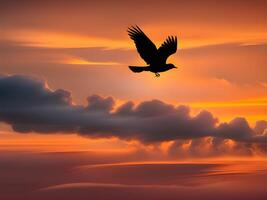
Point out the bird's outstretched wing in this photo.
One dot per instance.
(168, 48)
(145, 47)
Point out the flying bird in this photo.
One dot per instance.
(155, 58)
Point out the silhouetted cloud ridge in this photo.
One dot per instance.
(28, 105)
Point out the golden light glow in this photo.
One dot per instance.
(60, 142)
(262, 102)
(80, 61)
(48, 39)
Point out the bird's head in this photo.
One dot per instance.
(171, 66)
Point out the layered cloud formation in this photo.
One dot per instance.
(28, 105)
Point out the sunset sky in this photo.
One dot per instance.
(83, 48)
(76, 123)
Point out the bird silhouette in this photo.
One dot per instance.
(155, 58)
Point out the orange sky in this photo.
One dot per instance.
(83, 47)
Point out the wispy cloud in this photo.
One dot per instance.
(81, 61)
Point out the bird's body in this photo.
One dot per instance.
(152, 68)
(155, 58)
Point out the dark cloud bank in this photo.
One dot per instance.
(28, 105)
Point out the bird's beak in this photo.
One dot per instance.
(175, 67)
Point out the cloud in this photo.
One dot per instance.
(16, 53)
(28, 105)
(213, 147)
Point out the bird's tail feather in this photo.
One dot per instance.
(137, 69)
